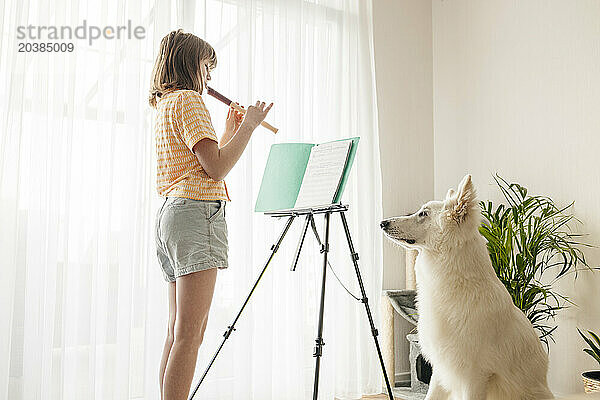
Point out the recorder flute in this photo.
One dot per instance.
(234, 105)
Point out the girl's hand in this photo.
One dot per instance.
(257, 113)
(234, 120)
(232, 124)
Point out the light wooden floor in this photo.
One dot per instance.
(378, 397)
(400, 393)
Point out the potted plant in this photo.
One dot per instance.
(591, 379)
(528, 238)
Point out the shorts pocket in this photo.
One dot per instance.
(218, 236)
(215, 210)
(179, 201)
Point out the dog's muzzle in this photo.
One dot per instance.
(385, 224)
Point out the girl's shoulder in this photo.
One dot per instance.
(178, 93)
(187, 95)
(182, 96)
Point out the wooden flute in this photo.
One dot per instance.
(233, 104)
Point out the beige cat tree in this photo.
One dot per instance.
(387, 316)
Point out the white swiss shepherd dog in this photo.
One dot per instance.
(481, 346)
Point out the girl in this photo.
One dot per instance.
(191, 233)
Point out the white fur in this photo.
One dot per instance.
(480, 345)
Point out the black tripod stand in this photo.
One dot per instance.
(318, 350)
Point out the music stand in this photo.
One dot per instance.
(291, 214)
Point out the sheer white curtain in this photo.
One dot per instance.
(83, 305)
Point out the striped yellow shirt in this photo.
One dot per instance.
(182, 121)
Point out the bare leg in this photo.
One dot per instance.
(436, 391)
(170, 335)
(194, 296)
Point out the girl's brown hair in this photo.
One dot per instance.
(178, 63)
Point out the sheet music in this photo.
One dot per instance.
(323, 174)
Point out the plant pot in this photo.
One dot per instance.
(591, 381)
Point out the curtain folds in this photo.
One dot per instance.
(83, 304)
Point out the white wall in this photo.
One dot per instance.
(517, 91)
(403, 63)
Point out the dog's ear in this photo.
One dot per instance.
(450, 193)
(465, 185)
(465, 200)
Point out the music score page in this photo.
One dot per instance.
(323, 174)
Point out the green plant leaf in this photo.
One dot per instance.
(594, 355)
(526, 237)
(593, 347)
(592, 334)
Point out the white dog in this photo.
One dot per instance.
(479, 344)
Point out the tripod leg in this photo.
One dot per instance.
(231, 327)
(319, 341)
(301, 242)
(365, 301)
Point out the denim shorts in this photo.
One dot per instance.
(191, 235)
